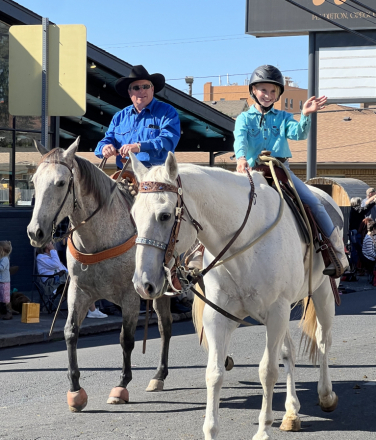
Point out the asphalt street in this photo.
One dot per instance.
(34, 385)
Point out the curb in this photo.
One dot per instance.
(16, 339)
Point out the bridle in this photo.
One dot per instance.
(75, 203)
(191, 277)
(169, 248)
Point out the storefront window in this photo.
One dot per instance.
(27, 160)
(5, 168)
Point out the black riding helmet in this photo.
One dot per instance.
(266, 74)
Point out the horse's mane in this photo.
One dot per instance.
(93, 181)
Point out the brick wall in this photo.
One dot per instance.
(236, 93)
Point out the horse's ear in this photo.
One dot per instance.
(171, 167)
(139, 168)
(40, 148)
(71, 151)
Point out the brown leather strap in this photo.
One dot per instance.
(100, 256)
(219, 309)
(151, 187)
(229, 244)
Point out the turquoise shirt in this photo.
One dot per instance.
(276, 128)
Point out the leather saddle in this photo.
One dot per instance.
(321, 242)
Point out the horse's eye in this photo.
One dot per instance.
(165, 217)
(60, 183)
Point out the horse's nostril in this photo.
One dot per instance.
(149, 288)
(39, 234)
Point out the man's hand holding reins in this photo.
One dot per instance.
(109, 150)
(127, 148)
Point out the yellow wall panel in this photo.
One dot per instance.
(66, 76)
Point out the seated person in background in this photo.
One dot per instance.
(357, 214)
(368, 247)
(369, 193)
(48, 263)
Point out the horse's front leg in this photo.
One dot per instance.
(291, 420)
(162, 308)
(130, 311)
(218, 330)
(325, 311)
(276, 327)
(78, 304)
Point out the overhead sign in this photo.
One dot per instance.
(272, 18)
(347, 73)
(66, 70)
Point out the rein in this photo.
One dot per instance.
(195, 276)
(83, 258)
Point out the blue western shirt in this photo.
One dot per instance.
(156, 127)
(277, 126)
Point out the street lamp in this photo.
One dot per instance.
(189, 81)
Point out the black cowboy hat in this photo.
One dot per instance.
(138, 73)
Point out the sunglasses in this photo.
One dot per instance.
(143, 86)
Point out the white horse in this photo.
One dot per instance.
(110, 279)
(262, 282)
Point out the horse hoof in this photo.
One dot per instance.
(290, 423)
(118, 396)
(329, 405)
(229, 364)
(155, 385)
(77, 400)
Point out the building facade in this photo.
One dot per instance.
(292, 100)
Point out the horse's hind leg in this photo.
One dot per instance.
(130, 311)
(276, 327)
(218, 330)
(162, 308)
(325, 311)
(291, 420)
(78, 305)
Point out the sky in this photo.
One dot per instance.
(199, 38)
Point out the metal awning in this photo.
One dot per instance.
(203, 128)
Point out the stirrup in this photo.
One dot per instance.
(335, 268)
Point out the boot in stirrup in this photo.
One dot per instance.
(340, 263)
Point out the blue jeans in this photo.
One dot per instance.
(317, 208)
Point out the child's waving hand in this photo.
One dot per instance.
(314, 104)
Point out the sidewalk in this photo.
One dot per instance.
(14, 332)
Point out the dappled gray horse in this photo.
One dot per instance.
(68, 185)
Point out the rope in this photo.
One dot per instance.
(271, 227)
(271, 162)
(267, 160)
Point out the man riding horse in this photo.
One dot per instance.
(148, 128)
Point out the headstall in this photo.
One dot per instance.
(180, 209)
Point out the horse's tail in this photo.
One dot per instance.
(309, 327)
(197, 312)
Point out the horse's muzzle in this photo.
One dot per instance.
(37, 236)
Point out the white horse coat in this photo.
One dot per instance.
(262, 282)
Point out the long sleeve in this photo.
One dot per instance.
(169, 134)
(295, 130)
(240, 134)
(368, 248)
(48, 265)
(109, 137)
